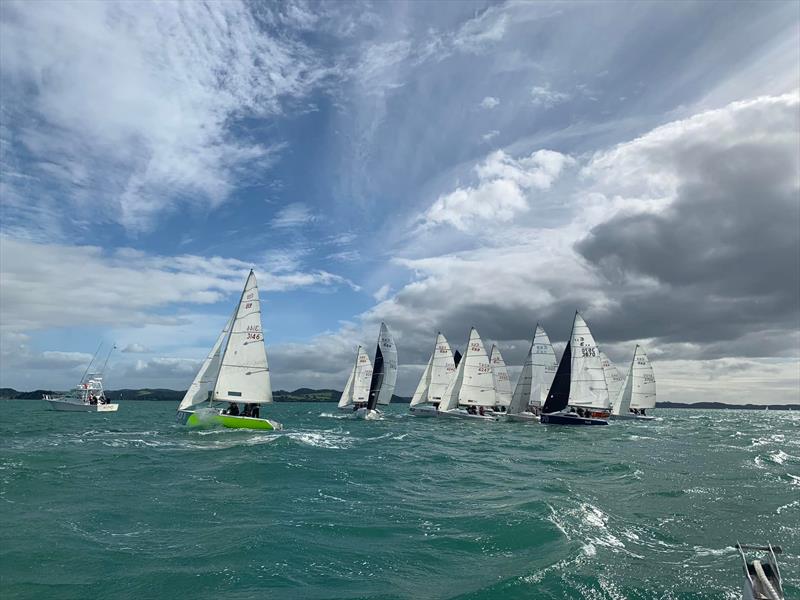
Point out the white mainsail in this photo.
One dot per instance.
(614, 379)
(477, 387)
(363, 376)
(537, 374)
(438, 374)
(502, 382)
(389, 352)
(643, 394)
(587, 382)
(623, 400)
(421, 393)
(244, 373)
(442, 370)
(204, 380)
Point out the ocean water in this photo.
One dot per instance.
(130, 505)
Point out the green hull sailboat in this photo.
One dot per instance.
(234, 372)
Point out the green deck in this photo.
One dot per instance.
(230, 421)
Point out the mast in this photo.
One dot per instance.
(89, 366)
(227, 341)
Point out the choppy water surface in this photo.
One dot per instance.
(130, 505)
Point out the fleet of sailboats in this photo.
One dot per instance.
(583, 388)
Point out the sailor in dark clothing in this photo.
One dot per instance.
(254, 411)
(233, 409)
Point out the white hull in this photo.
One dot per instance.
(462, 414)
(424, 410)
(632, 417)
(525, 417)
(66, 405)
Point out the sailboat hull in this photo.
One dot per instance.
(569, 419)
(66, 405)
(423, 411)
(632, 417)
(368, 414)
(209, 418)
(462, 414)
(525, 417)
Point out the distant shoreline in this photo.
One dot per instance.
(328, 395)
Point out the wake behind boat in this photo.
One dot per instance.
(235, 371)
(88, 395)
(579, 394)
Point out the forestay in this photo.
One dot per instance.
(588, 383)
(203, 382)
(502, 382)
(477, 387)
(244, 373)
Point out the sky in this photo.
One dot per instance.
(433, 165)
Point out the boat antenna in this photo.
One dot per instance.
(89, 366)
(114, 347)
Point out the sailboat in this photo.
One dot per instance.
(472, 386)
(535, 380)
(614, 379)
(356, 390)
(502, 382)
(234, 371)
(578, 395)
(438, 372)
(638, 392)
(384, 376)
(88, 395)
(762, 577)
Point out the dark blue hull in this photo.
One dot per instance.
(569, 419)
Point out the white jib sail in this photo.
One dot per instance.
(363, 377)
(204, 380)
(347, 394)
(502, 382)
(451, 393)
(614, 378)
(537, 374)
(389, 351)
(442, 370)
(477, 388)
(643, 394)
(623, 401)
(421, 393)
(244, 373)
(587, 383)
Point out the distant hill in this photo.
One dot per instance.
(164, 395)
(326, 395)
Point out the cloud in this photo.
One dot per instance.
(382, 292)
(82, 285)
(136, 349)
(130, 112)
(293, 215)
(502, 190)
(546, 97)
(489, 102)
(487, 137)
